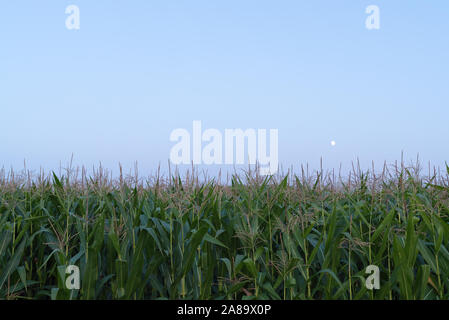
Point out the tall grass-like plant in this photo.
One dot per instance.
(307, 236)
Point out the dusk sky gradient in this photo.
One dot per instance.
(114, 90)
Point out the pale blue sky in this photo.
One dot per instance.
(137, 69)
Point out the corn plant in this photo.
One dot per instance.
(278, 237)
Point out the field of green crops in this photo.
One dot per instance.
(285, 237)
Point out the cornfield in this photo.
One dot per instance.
(306, 236)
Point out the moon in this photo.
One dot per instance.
(333, 143)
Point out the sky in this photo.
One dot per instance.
(114, 90)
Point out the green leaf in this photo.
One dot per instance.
(13, 263)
